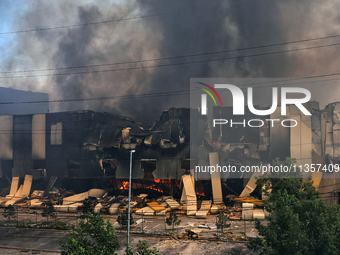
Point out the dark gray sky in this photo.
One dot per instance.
(179, 28)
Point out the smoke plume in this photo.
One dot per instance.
(165, 29)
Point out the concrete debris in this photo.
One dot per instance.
(68, 202)
(204, 210)
(73, 208)
(75, 198)
(247, 211)
(173, 204)
(249, 200)
(258, 214)
(252, 234)
(215, 178)
(139, 221)
(234, 218)
(37, 193)
(163, 212)
(98, 208)
(113, 209)
(61, 208)
(147, 211)
(14, 187)
(35, 203)
(250, 186)
(190, 225)
(17, 197)
(142, 195)
(189, 195)
(97, 193)
(27, 186)
(203, 226)
(156, 207)
(216, 209)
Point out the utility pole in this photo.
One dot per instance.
(130, 185)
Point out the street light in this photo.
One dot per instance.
(130, 184)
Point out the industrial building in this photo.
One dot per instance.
(19, 102)
(87, 149)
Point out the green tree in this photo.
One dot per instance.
(48, 210)
(122, 219)
(88, 207)
(173, 220)
(144, 249)
(222, 221)
(9, 212)
(128, 250)
(273, 185)
(299, 222)
(93, 237)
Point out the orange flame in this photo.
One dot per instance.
(125, 185)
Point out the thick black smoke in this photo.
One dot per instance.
(184, 27)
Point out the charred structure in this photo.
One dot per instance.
(92, 148)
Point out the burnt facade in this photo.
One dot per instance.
(86, 144)
(92, 145)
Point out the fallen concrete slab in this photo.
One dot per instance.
(113, 209)
(75, 198)
(35, 203)
(14, 187)
(71, 208)
(147, 211)
(98, 208)
(250, 186)
(189, 195)
(27, 186)
(215, 179)
(204, 210)
(156, 206)
(37, 193)
(173, 204)
(97, 193)
(247, 211)
(163, 212)
(17, 197)
(258, 214)
(215, 209)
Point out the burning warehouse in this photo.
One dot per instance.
(87, 149)
(87, 146)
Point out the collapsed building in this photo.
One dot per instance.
(92, 146)
(87, 149)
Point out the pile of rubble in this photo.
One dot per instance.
(69, 202)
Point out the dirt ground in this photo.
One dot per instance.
(35, 241)
(165, 246)
(168, 246)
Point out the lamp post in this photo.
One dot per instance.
(130, 184)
